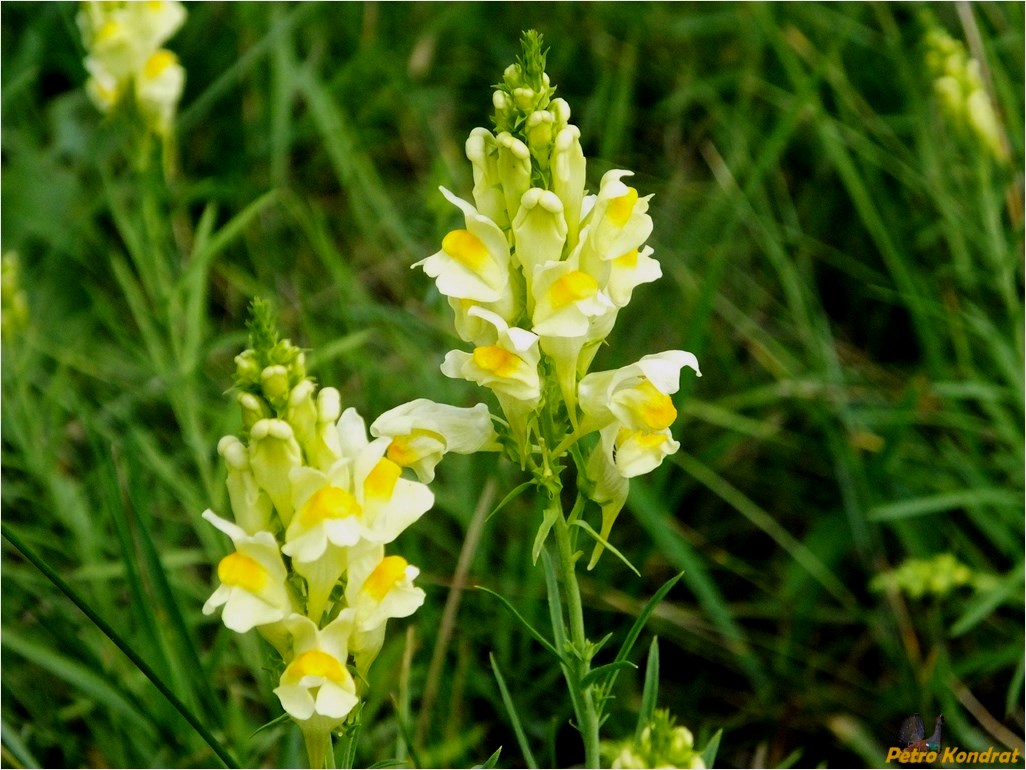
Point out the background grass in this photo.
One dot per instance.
(846, 263)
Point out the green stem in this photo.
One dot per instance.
(587, 714)
(319, 751)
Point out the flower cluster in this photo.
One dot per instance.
(937, 576)
(536, 278)
(661, 743)
(960, 88)
(125, 59)
(315, 502)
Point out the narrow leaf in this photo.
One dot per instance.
(548, 519)
(518, 728)
(711, 748)
(121, 644)
(490, 762)
(643, 616)
(509, 498)
(597, 673)
(605, 544)
(541, 639)
(650, 694)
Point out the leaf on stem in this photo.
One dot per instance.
(548, 519)
(605, 544)
(541, 639)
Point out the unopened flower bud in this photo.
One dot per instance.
(482, 151)
(275, 381)
(539, 131)
(568, 170)
(560, 110)
(514, 164)
(254, 409)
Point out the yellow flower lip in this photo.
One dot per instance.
(650, 406)
(620, 209)
(159, 62)
(316, 663)
(466, 248)
(496, 360)
(380, 482)
(571, 288)
(385, 576)
(238, 570)
(329, 503)
(628, 260)
(403, 451)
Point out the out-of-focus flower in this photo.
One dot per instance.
(962, 93)
(661, 744)
(124, 42)
(13, 305)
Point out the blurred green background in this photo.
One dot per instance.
(842, 253)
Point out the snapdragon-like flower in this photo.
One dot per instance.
(422, 432)
(379, 588)
(316, 689)
(536, 282)
(252, 588)
(316, 503)
(473, 262)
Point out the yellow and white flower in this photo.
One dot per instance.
(422, 432)
(252, 589)
(636, 396)
(473, 263)
(158, 87)
(362, 497)
(379, 588)
(632, 409)
(124, 43)
(316, 688)
(618, 222)
(509, 367)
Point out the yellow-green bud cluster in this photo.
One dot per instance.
(14, 316)
(938, 576)
(268, 371)
(661, 743)
(960, 88)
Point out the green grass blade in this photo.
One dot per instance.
(120, 643)
(83, 678)
(514, 717)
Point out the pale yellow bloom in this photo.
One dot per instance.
(252, 588)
